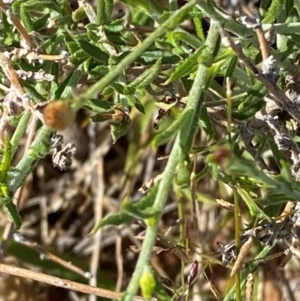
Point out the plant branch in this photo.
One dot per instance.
(20, 130)
(182, 143)
(37, 150)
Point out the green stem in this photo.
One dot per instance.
(37, 150)
(150, 235)
(235, 193)
(181, 143)
(237, 238)
(20, 130)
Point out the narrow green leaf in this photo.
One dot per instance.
(241, 168)
(98, 105)
(115, 26)
(122, 217)
(152, 8)
(252, 206)
(188, 66)
(206, 124)
(108, 90)
(160, 292)
(133, 101)
(144, 79)
(150, 57)
(104, 10)
(5, 161)
(138, 213)
(183, 174)
(41, 22)
(12, 212)
(65, 89)
(272, 199)
(119, 88)
(166, 135)
(37, 150)
(251, 104)
(30, 89)
(79, 14)
(202, 173)
(78, 57)
(274, 10)
(94, 51)
(33, 5)
(26, 19)
(114, 219)
(198, 26)
(98, 72)
(231, 67)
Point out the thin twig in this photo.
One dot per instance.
(119, 261)
(64, 283)
(16, 22)
(10, 72)
(47, 255)
(98, 209)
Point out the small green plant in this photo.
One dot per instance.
(197, 71)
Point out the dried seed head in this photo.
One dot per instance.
(58, 115)
(242, 255)
(63, 158)
(249, 287)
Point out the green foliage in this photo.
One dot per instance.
(128, 212)
(119, 70)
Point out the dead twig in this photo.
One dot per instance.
(47, 255)
(64, 283)
(16, 22)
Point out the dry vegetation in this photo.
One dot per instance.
(149, 152)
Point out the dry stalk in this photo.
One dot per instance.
(214, 290)
(47, 255)
(10, 73)
(16, 22)
(64, 283)
(98, 191)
